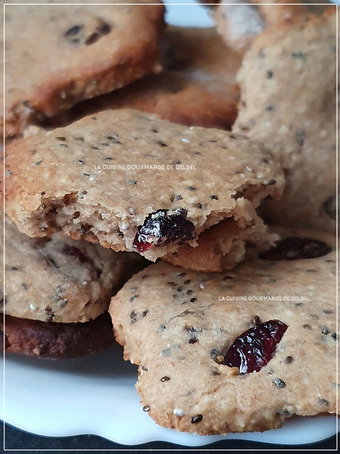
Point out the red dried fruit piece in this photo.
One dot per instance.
(160, 228)
(294, 248)
(256, 347)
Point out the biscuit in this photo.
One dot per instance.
(181, 327)
(58, 279)
(56, 340)
(59, 55)
(293, 112)
(134, 182)
(239, 24)
(226, 244)
(196, 88)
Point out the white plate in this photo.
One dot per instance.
(96, 395)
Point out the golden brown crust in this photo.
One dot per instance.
(83, 51)
(196, 88)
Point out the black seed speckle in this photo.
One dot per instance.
(298, 55)
(289, 359)
(196, 419)
(131, 182)
(279, 383)
(193, 340)
(165, 378)
(190, 188)
(73, 31)
(24, 286)
(323, 402)
(324, 329)
(270, 74)
(256, 320)
(146, 408)
(300, 136)
(133, 317)
(215, 373)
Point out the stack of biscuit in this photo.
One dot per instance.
(174, 188)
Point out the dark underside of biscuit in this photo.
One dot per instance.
(55, 340)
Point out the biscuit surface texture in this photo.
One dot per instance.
(59, 279)
(197, 86)
(122, 176)
(293, 112)
(59, 55)
(176, 324)
(226, 244)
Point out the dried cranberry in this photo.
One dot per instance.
(75, 252)
(161, 228)
(256, 347)
(294, 248)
